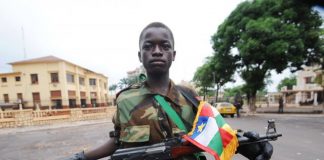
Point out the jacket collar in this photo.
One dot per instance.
(173, 94)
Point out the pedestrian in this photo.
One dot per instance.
(281, 105)
(139, 119)
(238, 103)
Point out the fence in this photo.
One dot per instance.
(21, 118)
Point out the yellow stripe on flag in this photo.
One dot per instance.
(201, 103)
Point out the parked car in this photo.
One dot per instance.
(225, 108)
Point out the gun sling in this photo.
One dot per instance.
(171, 112)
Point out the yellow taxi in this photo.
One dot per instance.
(225, 108)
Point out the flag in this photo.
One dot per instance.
(212, 134)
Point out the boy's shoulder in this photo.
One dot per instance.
(129, 91)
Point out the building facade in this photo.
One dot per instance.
(54, 83)
(306, 91)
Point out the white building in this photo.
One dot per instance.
(306, 91)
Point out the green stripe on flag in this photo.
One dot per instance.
(216, 144)
(220, 121)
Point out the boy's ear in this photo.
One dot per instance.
(174, 54)
(139, 56)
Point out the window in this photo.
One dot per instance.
(4, 79)
(36, 99)
(20, 97)
(308, 80)
(72, 103)
(17, 79)
(56, 94)
(92, 81)
(81, 81)
(54, 77)
(83, 103)
(70, 78)
(57, 104)
(6, 98)
(34, 78)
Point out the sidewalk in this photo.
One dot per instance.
(51, 126)
(292, 109)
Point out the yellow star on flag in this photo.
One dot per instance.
(200, 127)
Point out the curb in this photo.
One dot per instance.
(293, 112)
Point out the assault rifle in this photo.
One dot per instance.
(174, 147)
(271, 135)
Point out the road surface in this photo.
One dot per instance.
(303, 137)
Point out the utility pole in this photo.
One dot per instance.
(216, 89)
(23, 39)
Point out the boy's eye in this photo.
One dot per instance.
(166, 46)
(147, 46)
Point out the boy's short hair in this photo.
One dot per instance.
(156, 25)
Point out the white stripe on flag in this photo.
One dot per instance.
(215, 111)
(208, 133)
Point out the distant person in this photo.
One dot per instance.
(281, 105)
(238, 103)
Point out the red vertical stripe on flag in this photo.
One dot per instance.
(206, 111)
(226, 137)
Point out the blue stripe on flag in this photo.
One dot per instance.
(201, 120)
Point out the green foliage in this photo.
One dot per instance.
(231, 92)
(125, 82)
(113, 87)
(319, 79)
(203, 78)
(214, 72)
(288, 81)
(269, 35)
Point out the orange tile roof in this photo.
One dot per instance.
(39, 60)
(49, 59)
(10, 73)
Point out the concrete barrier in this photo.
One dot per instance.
(22, 118)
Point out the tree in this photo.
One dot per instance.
(214, 72)
(231, 92)
(223, 71)
(203, 78)
(123, 83)
(113, 87)
(289, 82)
(264, 35)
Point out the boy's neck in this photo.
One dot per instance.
(159, 84)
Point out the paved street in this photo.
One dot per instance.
(303, 137)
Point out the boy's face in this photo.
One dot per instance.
(156, 50)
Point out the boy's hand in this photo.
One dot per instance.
(255, 151)
(78, 156)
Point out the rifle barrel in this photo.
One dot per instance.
(271, 137)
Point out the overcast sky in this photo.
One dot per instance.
(102, 35)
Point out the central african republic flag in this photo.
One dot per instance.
(212, 134)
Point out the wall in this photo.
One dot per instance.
(23, 118)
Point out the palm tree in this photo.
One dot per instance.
(123, 83)
(113, 87)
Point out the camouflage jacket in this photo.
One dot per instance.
(141, 120)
